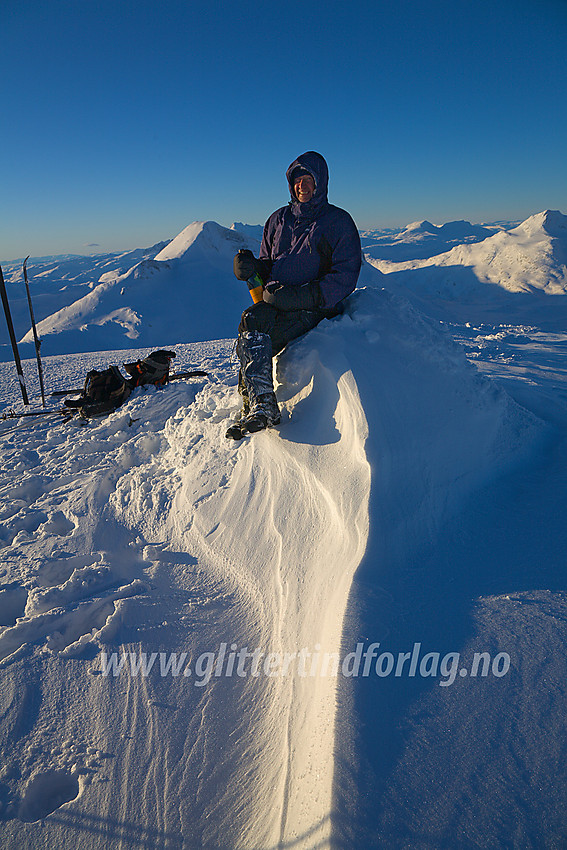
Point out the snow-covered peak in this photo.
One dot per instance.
(548, 222)
(530, 258)
(156, 299)
(203, 236)
(463, 229)
(254, 230)
(420, 227)
(451, 230)
(422, 239)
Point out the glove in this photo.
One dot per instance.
(246, 266)
(287, 298)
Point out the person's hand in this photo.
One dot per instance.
(286, 298)
(246, 266)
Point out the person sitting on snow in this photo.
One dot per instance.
(309, 261)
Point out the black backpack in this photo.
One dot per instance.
(102, 393)
(105, 391)
(153, 369)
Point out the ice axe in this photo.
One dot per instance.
(255, 284)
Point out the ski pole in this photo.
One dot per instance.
(36, 339)
(12, 414)
(10, 324)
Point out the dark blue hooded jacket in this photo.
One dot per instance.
(313, 241)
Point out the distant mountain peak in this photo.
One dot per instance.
(204, 235)
(421, 227)
(551, 222)
(255, 231)
(165, 297)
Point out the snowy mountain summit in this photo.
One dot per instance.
(530, 258)
(204, 238)
(421, 240)
(452, 230)
(186, 292)
(551, 222)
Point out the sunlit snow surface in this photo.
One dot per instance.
(413, 494)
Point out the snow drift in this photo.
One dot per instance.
(148, 533)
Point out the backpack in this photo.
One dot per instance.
(102, 393)
(153, 369)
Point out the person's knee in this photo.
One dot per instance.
(257, 317)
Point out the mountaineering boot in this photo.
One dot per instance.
(264, 413)
(235, 431)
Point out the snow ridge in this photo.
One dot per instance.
(530, 258)
(195, 543)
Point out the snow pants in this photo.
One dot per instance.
(263, 332)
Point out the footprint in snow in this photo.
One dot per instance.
(62, 565)
(13, 600)
(58, 524)
(47, 792)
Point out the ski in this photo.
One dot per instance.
(196, 373)
(178, 376)
(15, 351)
(13, 414)
(36, 338)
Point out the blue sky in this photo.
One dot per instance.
(125, 120)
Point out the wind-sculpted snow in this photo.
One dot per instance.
(148, 535)
(281, 522)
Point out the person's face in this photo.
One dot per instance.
(304, 187)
